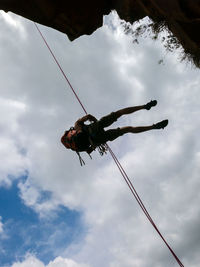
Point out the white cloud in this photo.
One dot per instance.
(1, 226)
(29, 261)
(32, 261)
(109, 73)
(61, 262)
(12, 152)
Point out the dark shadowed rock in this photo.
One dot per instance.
(76, 18)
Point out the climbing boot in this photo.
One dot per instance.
(150, 104)
(160, 125)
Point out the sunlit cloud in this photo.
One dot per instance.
(14, 21)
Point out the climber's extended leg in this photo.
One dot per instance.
(140, 129)
(112, 134)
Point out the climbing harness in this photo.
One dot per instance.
(102, 148)
(121, 169)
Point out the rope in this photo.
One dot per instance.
(138, 199)
(58, 64)
(121, 169)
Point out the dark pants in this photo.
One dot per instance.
(100, 136)
(97, 132)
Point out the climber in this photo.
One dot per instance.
(86, 137)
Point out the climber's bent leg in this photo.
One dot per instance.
(130, 110)
(114, 116)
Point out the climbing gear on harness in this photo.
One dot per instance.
(82, 162)
(103, 149)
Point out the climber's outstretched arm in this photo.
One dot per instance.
(87, 117)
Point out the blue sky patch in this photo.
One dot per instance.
(25, 232)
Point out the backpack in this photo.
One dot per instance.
(69, 139)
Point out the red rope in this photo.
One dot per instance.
(121, 169)
(138, 199)
(60, 68)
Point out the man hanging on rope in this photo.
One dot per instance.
(83, 137)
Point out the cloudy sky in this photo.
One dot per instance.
(53, 212)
